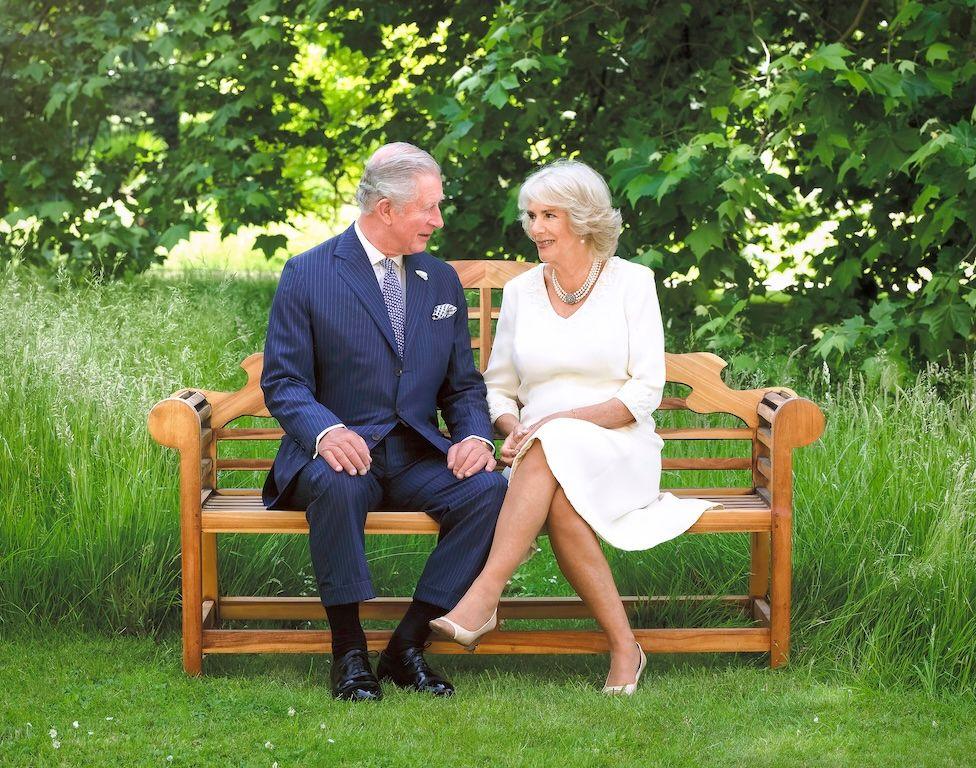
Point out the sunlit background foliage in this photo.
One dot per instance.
(812, 164)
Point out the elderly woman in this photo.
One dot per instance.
(575, 376)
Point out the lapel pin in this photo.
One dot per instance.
(421, 274)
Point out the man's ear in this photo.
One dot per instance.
(385, 210)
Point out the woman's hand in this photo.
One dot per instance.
(524, 433)
(508, 450)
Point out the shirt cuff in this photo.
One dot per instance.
(486, 442)
(322, 434)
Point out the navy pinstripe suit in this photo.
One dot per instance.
(330, 357)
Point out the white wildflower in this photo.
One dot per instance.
(56, 744)
(816, 719)
(74, 724)
(321, 726)
(109, 718)
(331, 741)
(274, 764)
(935, 724)
(169, 758)
(91, 733)
(53, 733)
(268, 745)
(291, 711)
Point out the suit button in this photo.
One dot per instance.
(398, 371)
(376, 435)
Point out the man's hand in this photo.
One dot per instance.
(469, 457)
(345, 451)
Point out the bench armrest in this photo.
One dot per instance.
(786, 422)
(182, 422)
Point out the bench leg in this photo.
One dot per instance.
(192, 604)
(780, 590)
(211, 589)
(758, 568)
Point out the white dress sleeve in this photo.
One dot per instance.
(643, 391)
(500, 376)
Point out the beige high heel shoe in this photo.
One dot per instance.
(444, 627)
(628, 690)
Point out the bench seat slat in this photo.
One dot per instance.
(247, 514)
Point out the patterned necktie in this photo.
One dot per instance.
(393, 296)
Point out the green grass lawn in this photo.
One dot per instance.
(884, 576)
(134, 707)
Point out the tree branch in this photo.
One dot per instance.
(857, 20)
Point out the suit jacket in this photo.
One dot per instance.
(330, 356)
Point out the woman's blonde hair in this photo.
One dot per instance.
(583, 194)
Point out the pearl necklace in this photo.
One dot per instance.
(580, 293)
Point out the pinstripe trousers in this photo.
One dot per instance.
(407, 473)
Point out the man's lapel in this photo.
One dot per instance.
(355, 269)
(418, 302)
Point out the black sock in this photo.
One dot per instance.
(347, 632)
(412, 631)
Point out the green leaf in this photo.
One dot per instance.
(928, 149)
(509, 82)
(873, 253)
(929, 193)
(173, 235)
(907, 14)
(496, 95)
(938, 52)
(960, 318)
(728, 209)
(643, 185)
(828, 57)
(525, 64)
(704, 238)
(741, 153)
(36, 71)
(54, 210)
(854, 78)
(884, 79)
(260, 8)
(55, 100)
(670, 181)
(270, 244)
(779, 102)
(844, 273)
(720, 113)
(942, 81)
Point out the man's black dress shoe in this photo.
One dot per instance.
(353, 679)
(409, 669)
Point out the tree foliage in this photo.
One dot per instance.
(730, 133)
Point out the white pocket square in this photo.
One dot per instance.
(443, 311)
(421, 274)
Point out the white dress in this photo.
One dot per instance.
(612, 346)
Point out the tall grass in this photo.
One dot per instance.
(885, 537)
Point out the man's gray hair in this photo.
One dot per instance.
(392, 172)
(583, 194)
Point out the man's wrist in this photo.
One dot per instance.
(323, 433)
(490, 445)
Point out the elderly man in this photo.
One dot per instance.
(367, 339)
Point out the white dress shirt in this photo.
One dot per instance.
(376, 258)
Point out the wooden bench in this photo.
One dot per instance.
(774, 421)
